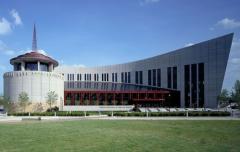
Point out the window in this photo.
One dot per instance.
(129, 77)
(169, 76)
(122, 77)
(141, 77)
(187, 85)
(159, 77)
(85, 77)
(102, 77)
(112, 77)
(174, 77)
(31, 66)
(136, 77)
(115, 77)
(17, 67)
(125, 77)
(201, 84)
(43, 67)
(107, 76)
(149, 77)
(154, 77)
(194, 84)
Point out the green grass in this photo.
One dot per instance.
(122, 136)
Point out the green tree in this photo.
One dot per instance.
(51, 99)
(223, 98)
(7, 104)
(236, 92)
(23, 100)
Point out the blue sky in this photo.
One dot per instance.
(94, 32)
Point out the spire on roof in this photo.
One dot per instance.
(34, 40)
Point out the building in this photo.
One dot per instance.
(34, 74)
(187, 77)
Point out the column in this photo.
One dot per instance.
(22, 66)
(38, 64)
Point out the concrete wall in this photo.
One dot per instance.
(35, 83)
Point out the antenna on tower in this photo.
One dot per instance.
(34, 40)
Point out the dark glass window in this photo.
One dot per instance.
(43, 67)
(159, 77)
(154, 77)
(115, 77)
(17, 67)
(169, 76)
(149, 77)
(174, 77)
(31, 66)
(122, 77)
(90, 77)
(141, 77)
(129, 77)
(112, 77)
(85, 77)
(107, 76)
(201, 84)
(125, 77)
(194, 84)
(73, 77)
(77, 77)
(136, 77)
(187, 85)
(68, 77)
(102, 77)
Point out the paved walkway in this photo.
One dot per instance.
(14, 119)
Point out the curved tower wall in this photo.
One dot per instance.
(213, 54)
(35, 83)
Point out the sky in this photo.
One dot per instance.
(91, 33)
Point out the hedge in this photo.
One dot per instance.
(127, 114)
(163, 114)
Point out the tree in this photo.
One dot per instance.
(236, 92)
(7, 104)
(23, 100)
(38, 107)
(51, 98)
(223, 98)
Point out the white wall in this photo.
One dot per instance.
(35, 83)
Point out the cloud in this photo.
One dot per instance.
(5, 49)
(144, 2)
(43, 52)
(227, 23)
(16, 17)
(5, 26)
(188, 44)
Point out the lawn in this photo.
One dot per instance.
(120, 136)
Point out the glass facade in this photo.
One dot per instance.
(149, 77)
(159, 77)
(194, 84)
(141, 77)
(169, 77)
(187, 85)
(201, 84)
(136, 77)
(44, 67)
(31, 66)
(174, 77)
(154, 77)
